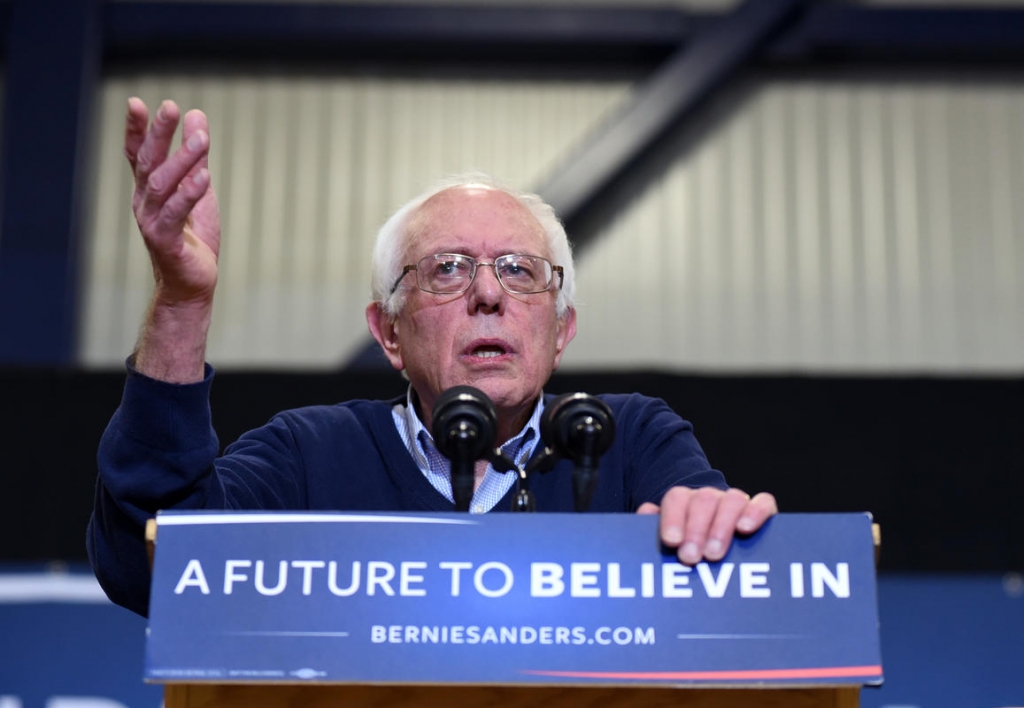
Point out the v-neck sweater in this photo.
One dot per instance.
(159, 451)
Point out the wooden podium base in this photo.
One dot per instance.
(264, 696)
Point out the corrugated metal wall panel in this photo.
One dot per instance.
(306, 170)
(825, 227)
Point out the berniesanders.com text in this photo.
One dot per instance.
(540, 635)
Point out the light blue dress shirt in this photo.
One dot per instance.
(437, 468)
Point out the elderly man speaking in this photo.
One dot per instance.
(473, 284)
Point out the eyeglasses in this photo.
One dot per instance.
(452, 273)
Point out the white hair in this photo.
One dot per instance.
(392, 240)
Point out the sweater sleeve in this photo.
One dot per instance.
(159, 451)
(155, 453)
(660, 451)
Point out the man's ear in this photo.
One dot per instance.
(566, 331)
(384, 329)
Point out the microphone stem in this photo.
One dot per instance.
(584, 481)
(462, 484)
(584, 474)
(463, 440)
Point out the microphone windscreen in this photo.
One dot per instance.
(465, 422)
(567, 415)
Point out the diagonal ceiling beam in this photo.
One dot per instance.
(674, 91)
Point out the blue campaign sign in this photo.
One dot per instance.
(506, 599)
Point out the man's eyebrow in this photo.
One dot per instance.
(466, 250)
(462, 250)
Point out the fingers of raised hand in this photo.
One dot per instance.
(135, 124)
(174, 184)
(172, 217)
(195, 121)
(164, 180)
(156, 141)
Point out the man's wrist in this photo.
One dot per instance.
(172, 344)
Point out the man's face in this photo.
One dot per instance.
(504, 344)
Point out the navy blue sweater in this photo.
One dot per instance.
(160, 452)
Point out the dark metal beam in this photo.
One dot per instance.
(402, 33)
(836, 31)
(52, 65)
(172, 31)
(170, 21)
(673, 91)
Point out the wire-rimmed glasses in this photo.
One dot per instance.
(453, 273)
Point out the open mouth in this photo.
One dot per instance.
(488, 351)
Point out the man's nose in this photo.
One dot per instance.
(485, 292)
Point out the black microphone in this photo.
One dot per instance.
(464, 426)
(579, 426)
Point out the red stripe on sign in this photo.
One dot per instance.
(825, 672)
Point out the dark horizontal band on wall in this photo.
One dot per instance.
(937, 461)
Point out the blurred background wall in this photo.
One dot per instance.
(819, 226)
(798, 222)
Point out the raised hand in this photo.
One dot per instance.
(174, 202)
(176, 210)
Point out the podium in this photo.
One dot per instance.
(318, 609)
(255, 696)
